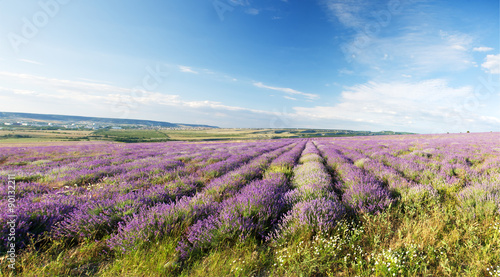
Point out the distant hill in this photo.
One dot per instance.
(82, 120)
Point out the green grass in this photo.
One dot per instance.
(155, 259)
(30, 135)
(131, 135)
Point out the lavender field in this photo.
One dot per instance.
(416, 205)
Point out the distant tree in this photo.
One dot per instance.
(468, 132)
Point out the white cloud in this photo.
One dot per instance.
(414, 52)
(410, 45)
(346, 12)
(60, 84)
(287, 90)
(107, 97)
(410, 106)
(94, 81)
(456, 40)
(492, 64)
(482, 49)
(458, 47)
(30, 61)
(345, 71)
(490, 119)
(290, 98)
(252, 11)
(18, 91)
(395, 105)
(187, 69)
(239, 2)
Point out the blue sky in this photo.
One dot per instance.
(405, 65)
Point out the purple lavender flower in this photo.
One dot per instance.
(252, 212)
(319, 215)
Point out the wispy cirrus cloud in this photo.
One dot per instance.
(482, 49)
(94, 81)
(389, 38)
(187, 69)
(56, 84)
(347, 12)
(290, 91)
(252, 11)
(345, 71)
(416, 52)
(30, 61)
(18, 91)
(104, 97)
